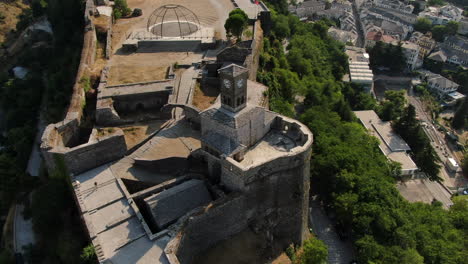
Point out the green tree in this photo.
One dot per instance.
(314, 252)
(393, 106)
(452, 27)
(236, 23)
(88, 254)
(281, 26)
(459, 212)
(51, 197)
(121, 9)
(239, 11)
(461, 115)
(465, 164)
(423, 25)
(439, 33)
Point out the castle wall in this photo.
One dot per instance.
(96, 152)
(221, 220)
(64, 133)
(132, 102)
(273, 199)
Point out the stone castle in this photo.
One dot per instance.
(202, 178)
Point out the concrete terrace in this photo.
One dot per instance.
(175, 141)
(113, 226)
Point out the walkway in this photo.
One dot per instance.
(339, 252)
(24, 234)
(185, 89)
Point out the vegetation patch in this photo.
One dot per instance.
(350, 174)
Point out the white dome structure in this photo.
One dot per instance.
(173, 21)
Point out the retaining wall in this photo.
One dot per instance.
(222, 219)
(61, 138)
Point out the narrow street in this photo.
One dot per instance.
(339, 251)
(361, 40)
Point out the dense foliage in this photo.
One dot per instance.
(409, 128)
(48, 81)
(52, 67)
(460, 119)
(387, 55)
(348, 170)
(423, 25)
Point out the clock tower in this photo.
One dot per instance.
(233, 87)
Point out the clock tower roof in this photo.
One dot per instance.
(233, 70)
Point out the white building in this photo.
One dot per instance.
(391, 144)
(394, 4)
(359, 71)
(441, 16)
(441, 85)
(411, 51)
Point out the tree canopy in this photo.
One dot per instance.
(348, 171)
(423, 25)
(236, 23)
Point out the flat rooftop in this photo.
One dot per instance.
(391, 144)
(273, 145)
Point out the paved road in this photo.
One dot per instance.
(339, 252)
(452, 180)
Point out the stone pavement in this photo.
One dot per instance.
(339, 252)
(185, 89)
(24, 234)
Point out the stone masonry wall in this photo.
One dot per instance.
(95, 153)
(200, 232)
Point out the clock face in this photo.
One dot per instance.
(240, 83)
(227, 84)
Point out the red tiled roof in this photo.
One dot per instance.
(378, 36)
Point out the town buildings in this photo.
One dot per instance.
(425, 42)
(440, 85)
(442, 15)
(346, 37)
(411, 52)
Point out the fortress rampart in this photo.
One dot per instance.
(271, 196)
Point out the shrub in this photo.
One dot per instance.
(137, 12)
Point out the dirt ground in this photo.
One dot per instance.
(10, 10)
(204, 98)
(136, 133)
(121, 74)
